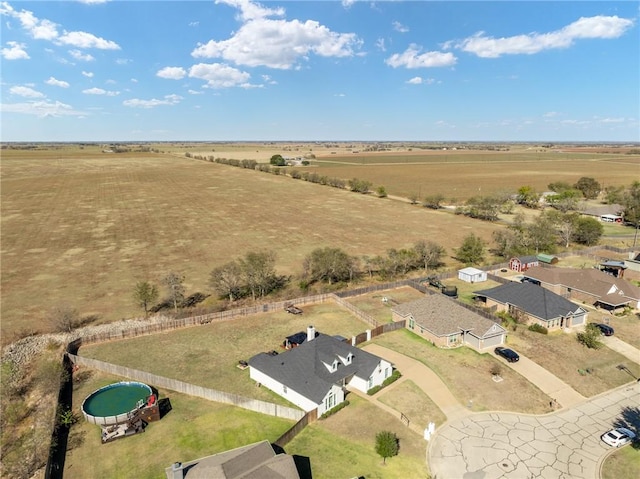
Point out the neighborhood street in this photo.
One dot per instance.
(502, 445)
(565, 444)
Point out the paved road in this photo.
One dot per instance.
(562, 445)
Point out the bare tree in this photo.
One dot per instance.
(175, 288)
(227, 280)
(64, 318)
(429, 253)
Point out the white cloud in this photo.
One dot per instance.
(412, 58)
(93, 2)
(261, 41)
(421, 81)
(48, 30)
(88, 74)
(78, 55)
(218, 75)
(380, 45)
(26, 92)
(586, 27)
(42, 109)
(138, 103)
(86, 40)
(123, 61)
(100, 91)
(15, 51)
(54, 82)
(399, 27)
(195, 92)
(194, 24)
(251, 11)
(172, 73)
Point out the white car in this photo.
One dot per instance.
(618, 437)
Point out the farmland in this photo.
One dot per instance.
(80, 227)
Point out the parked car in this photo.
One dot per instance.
(508, 354)
(605, 329)
(618, 437)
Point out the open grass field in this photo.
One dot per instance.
(82, 229)
(459, 175)
(208, 355)
(407, 398)
(194, 428)
(624, 462)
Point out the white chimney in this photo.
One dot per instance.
(311, 333)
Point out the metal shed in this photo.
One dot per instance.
(472, 275)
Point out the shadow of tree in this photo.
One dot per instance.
(630, 419)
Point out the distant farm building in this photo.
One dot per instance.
(523, 263)
(472, 275)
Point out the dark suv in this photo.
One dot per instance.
(508, 354)
(605, 329)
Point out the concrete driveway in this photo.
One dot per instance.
(547, 382)
(562, 445)
(619, 346)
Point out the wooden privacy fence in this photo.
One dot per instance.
(367, 318)
(191, 389)
(297, 428)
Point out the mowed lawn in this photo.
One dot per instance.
(82, 230)
(373, 304)
(193, 428)
(208, 355)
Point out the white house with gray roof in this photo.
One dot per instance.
(314, 374)
(448, 324)
(537, 304)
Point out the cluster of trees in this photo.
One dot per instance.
(551, 229)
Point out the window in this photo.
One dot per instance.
(334, 366)
(284, 389)
(330, 401)
(370, 382)
(412, 323)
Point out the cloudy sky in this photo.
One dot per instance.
(233, 70)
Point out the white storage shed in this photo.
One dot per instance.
(472, 275)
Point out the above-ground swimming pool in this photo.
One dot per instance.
(112, 404)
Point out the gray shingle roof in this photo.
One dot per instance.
(443, 316)
(303, 368)
(252, 461)
(535, 300)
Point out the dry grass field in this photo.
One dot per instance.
(81, 229)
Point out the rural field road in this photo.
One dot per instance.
(562, 445)
(547, 382)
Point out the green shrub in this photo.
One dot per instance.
(538, 329)
(590, 337)
(335, 409)
(391, 379)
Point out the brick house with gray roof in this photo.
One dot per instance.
(589, 285)
(447, 324)
(538, 305)
(315, 374)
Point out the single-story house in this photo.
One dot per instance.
(472, 275)
(448, 324)
(251, 461)
(611, 219)
(523, 263)
(538, 305)
(589, 285)
(314, 374)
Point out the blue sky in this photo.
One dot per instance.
(238, 70)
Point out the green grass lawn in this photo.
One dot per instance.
(343, 445)
(194, 428)
(208, 355)
(623, 463)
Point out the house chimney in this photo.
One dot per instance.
(177, 470)
(311, 333)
